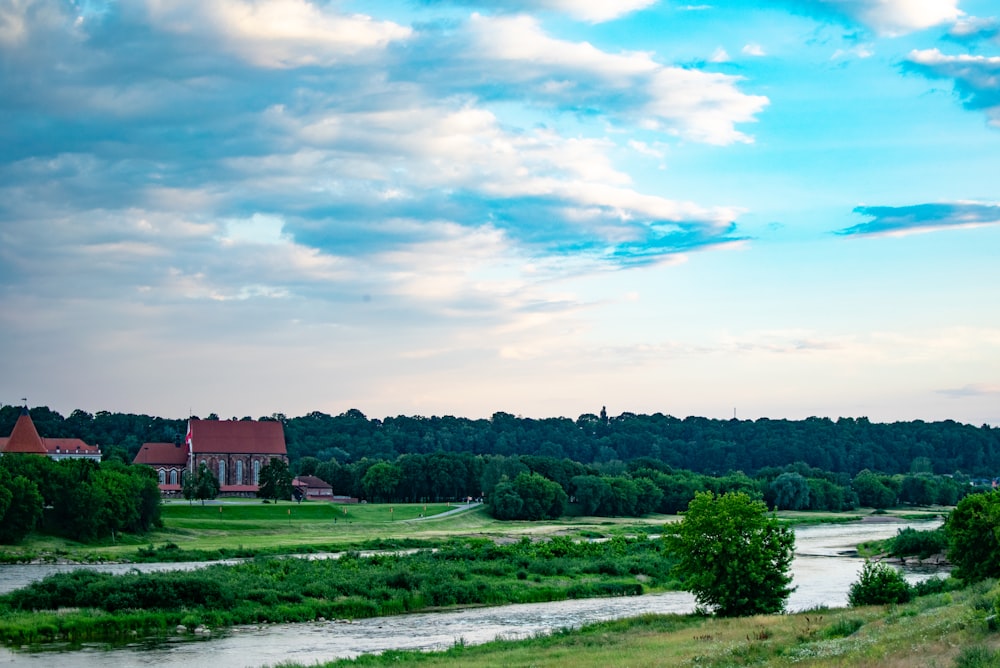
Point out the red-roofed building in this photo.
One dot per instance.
(24, 439)
(313, 488)
(170, 461)
(234, 451)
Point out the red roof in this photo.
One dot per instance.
(311, 481)
(161, 454)
(72, 445)
(237, 437)
(24, 437)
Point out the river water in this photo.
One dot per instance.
(823, 569)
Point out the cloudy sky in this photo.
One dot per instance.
(781, 208)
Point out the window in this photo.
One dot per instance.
(222, 472)
(256, 472)
(163, 477)
(173, 476)
(239, 472)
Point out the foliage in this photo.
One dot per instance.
(978, 656)
(20, 507)
(529, 496)
(910, 542)
(381, 480)
(702, 445)
(873, 490)
(275, 480)
(972, 528)
(201, 485)
(879, 584)
(732, 555)
(791, 492)
(461, 572)
(82, 500)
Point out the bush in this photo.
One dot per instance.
(974, 547)
(977, 656)
(879, 584)
(843, 627)
(910, 542)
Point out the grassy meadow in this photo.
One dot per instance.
(245, 527)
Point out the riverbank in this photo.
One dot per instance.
(86, 605)
(956, 628)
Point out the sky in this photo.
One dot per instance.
(777, 208)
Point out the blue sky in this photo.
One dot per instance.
(784, 208)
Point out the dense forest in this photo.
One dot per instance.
(702, 445)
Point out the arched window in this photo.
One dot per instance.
(163, 477)
(222, 472)
(173, 476)
(256, 471)
(239, 472)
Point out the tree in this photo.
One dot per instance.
(791, 492)
(380, 481)
(879, 584)
(275, 481)
(201, 485)
(872, 490)
(733, 556)
(973, 530)
(20, 507)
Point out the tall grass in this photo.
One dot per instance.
(461, 572)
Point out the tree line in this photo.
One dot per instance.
(75, 498)
(537, 487)
(702, 445)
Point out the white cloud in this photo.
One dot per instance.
(277, 33)
(719, 56)
(976, 78)
(696, 105)
(859, 51)
(896, 17)
(598, 11)
(753, 49)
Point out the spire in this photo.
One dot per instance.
(25, 437)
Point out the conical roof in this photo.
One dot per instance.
(25, 437)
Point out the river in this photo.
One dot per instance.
(823, 571)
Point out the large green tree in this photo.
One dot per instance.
(275, 481)
(20, 507)
(380, 481)
(973, 530)
(733, 555)
(201, 485)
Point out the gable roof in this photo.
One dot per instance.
(161, 454)
(67, 445)
(237, 437)
(24, 437)
(311, 481)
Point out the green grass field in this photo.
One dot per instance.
(251, 525)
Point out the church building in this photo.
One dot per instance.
(234, 451)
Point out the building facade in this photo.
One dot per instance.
(234, 451)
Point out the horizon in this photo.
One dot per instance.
(459, 207)
(370, 418)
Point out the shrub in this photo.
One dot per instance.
(879, 584)
(910, 542)
(843, 627)
(977, 656)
